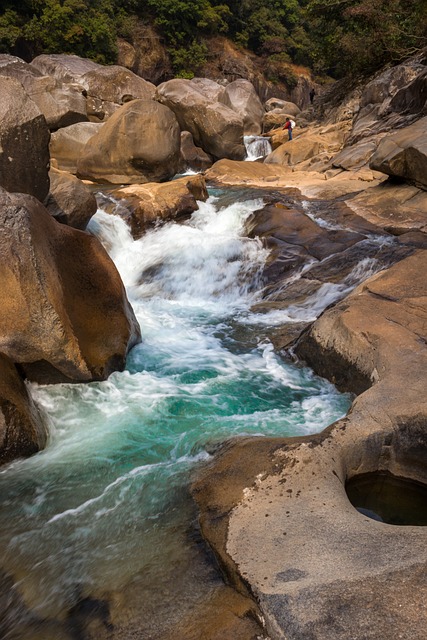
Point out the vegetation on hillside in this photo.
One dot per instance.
(333, 37)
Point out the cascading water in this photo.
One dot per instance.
(106, 500)
(256, 147)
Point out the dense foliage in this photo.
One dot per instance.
(336, 37)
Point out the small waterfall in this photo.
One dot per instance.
(256, 147)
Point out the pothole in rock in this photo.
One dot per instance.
(388, 498)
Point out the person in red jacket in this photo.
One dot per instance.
(289, 125)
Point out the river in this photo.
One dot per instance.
(106, 505)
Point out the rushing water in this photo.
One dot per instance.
(97, 505)
(257, 147)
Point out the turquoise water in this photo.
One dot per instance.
(109, 491)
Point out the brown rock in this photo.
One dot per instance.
(150, 203)
(139, 143)
(283, 105)
(404, 154)
(67, 144)
(65, 315)
(24, 142)
(22, 428)
(70, 201)
(214, 126)
(193, 157)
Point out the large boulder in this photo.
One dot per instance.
(209, 88)
(22, 428)
(143, 205)
(106, 87)
(61, 105)
(64, 313)
(67, 144)
(241, 96)
(70, 201)
(139, 143)
(214, 126)
(404, 154)
(24, 142)
(64, 67)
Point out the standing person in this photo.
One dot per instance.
(289, 125)
(312, 94)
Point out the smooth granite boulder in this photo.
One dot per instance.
(106, 87)
(404, 154)
(144, 205)
(139, 143)
(215, 128)
(64, 313)
(67, 144)
(193, 157)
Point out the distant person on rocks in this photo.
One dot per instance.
(289, 125)
(312, 94)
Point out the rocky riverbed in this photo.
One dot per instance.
(344, 219)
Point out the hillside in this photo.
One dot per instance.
(160, 39)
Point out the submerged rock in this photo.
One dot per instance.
(65, 315)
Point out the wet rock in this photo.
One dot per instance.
(22, 427)
(144, 205)
(24, 142)
(139, 143)
(65, 315)
(70, 201)
(214, 126)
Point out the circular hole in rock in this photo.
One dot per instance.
(388, 498)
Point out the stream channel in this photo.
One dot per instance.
(103, 515)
